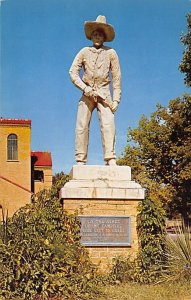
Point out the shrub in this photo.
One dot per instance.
(178, 256)
(41, 255)
(123, 270)
(146, 268)
(151, 234)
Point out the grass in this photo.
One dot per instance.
(173, 291)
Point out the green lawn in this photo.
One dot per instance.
(147, 292)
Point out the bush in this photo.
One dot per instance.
(41, 255)
(146, 268)
(178, 256)
(151, 234)
(123, 270)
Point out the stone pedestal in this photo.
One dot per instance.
(106, 200)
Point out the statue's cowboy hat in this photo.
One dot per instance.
(100, 23)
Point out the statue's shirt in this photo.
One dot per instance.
(97, 65)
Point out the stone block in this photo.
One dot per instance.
(101, 182)
(101, 172)
(68, 191)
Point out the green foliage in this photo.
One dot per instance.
(159, 150)
(185, 65)
(151, 233)
(178, 256)
(146, 267)
(124, 270)
(41, 254)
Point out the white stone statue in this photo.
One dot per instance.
(97, 62)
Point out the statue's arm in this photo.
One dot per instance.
(75, 70)
(116, 76)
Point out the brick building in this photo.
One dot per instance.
(41, 166)
(18, 165)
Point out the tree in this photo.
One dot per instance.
(185, 65)
(159, 153)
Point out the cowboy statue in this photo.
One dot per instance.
(97, 61)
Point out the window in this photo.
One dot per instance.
(12, 147)
(39, 175)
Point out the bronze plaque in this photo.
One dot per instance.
(105, 230)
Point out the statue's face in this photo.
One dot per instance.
(98, 38)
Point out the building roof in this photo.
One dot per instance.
(43, 159)
(14, 121)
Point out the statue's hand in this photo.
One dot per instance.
(114, 106)
(88, 91)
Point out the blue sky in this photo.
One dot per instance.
(39, 40)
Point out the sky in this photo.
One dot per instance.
(39, 40)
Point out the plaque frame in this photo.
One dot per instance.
(103, 243)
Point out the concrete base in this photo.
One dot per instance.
(101, 182)
(104, 191)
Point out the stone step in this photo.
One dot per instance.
(101, 193)
(104, 183)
